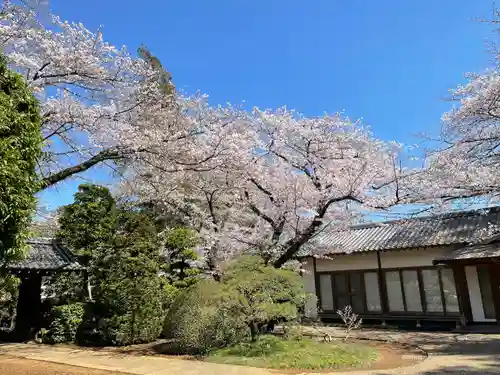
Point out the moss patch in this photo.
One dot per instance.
(307, 354)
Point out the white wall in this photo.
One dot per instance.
(308, 277)
(476, 303)
(412, 258)
(359, 261)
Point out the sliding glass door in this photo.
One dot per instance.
(410, 291)
(358, 289)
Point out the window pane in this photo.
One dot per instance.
(326, 295)
(450, 292)
(357, 297)
(394, 292)
(486, 292)
(412, 290)
(432, 290)
(372, 292)
(341, 291)
(341, 283)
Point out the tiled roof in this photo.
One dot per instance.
(491, 250)
(46, 254)
(446, 229)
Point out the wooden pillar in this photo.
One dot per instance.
(316, 287)
(494, 269)
(382, 286)
(29, 306)
(462, 292)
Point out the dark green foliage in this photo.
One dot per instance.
(251, 295)
(9, 291)
(266, 294)
(130, 294)
(120, 248)
(170, 293)
(180, 244)
(89, 221)
(204, 317)
(85, 225)
(64, 324)
(20, 148)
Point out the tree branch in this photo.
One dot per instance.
(293, 245)
(259, 212)
(82, 167)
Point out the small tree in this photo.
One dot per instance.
(130, 295)
(181, 255)
(20, 149)
(351, 320)
(84, 225)
(265, 294)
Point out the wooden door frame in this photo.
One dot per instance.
(494, 270)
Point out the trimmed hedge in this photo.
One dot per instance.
(64, 324)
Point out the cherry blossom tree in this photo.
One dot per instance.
(264, 182)
(281, 178)
(100, 104)
(465, 163)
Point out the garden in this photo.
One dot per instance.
(193, 244)
(144, 284)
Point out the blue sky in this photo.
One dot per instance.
(389, 62)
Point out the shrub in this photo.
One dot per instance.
(265, 294)
(203, 317)
(64, 324)
(9, 292)
(124, 318)
(170, 293)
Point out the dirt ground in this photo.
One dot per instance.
(20, 366)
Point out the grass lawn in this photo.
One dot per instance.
(308, 354)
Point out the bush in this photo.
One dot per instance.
(170, 293)
(9, 292)
(265, 294)
(203, 317)
(64, 324)
(123, 318)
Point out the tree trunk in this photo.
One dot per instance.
(29, 307)
(254, 331)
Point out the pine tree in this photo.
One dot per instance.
(180, 245)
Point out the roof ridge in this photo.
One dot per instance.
(442, 216)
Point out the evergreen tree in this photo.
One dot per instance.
(84, 226)
(20, 148)
(89, 221)
(180, 245)
(129, 299)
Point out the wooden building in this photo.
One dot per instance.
(430, 268)
(45, 257)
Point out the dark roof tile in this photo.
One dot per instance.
(446, 229)
(46, 254)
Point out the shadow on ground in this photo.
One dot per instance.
(481, 355)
